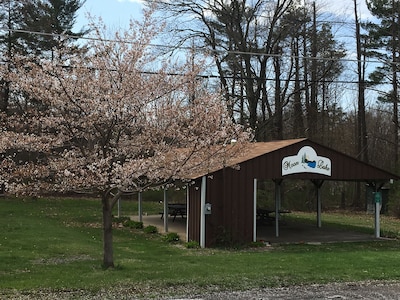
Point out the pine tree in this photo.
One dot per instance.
(35, 30)
(49, 24)
(10, 43)
(385, 45)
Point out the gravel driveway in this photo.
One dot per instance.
(362, 290)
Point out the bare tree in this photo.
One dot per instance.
(242, 37)
(362, 134)
(253, 46)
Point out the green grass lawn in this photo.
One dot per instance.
(57, 244)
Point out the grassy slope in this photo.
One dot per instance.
(57, 244)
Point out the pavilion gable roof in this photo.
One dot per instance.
(264, 160)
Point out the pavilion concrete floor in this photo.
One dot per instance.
(288, 232)
(302, 233)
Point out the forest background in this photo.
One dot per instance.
(286, 68)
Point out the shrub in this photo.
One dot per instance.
(192, 245)
(258, 244)
(150, 229)
(133, 224)
(172, 237)
(120, 219)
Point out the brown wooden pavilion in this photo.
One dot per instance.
(224, 199)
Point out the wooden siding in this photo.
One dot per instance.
(194, 211)
(232, 210)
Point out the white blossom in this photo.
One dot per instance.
(111, 123)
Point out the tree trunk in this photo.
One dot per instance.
(4, 96)
(362, 143)
(395, 95)
(251, 97)
(362, 150)
(108, 252)
(278, 116)
(298, 123)
(108, 200)
(313, 109)
(305, 79)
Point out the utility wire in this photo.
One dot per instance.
(229, 77)
(235, 52)
(66, 36)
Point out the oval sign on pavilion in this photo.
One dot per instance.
(306, 161)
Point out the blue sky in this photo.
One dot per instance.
(115, 13)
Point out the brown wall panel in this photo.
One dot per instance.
(194, 211)
(231, 194)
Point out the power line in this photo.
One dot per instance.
(191, 48)
(229, 77)
(60, 35)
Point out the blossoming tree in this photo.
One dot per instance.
(113, 120)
